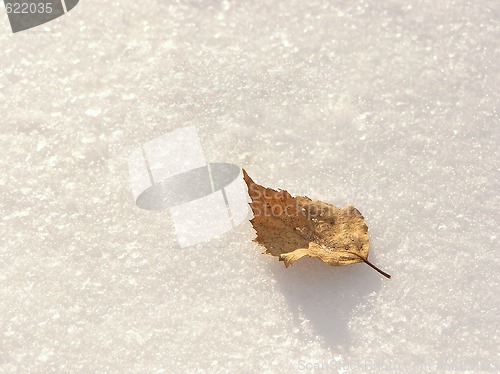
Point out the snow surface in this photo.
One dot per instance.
(390, 106)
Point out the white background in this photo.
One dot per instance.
(384, 105)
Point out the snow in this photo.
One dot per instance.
(388, 106)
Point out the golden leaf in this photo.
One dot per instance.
(291, 227)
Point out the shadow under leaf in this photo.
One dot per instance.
(326, 296)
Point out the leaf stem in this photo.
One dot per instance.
(372, 266)
(376, 268)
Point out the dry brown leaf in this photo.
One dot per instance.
(293, 227)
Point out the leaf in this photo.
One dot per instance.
(291, 227)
